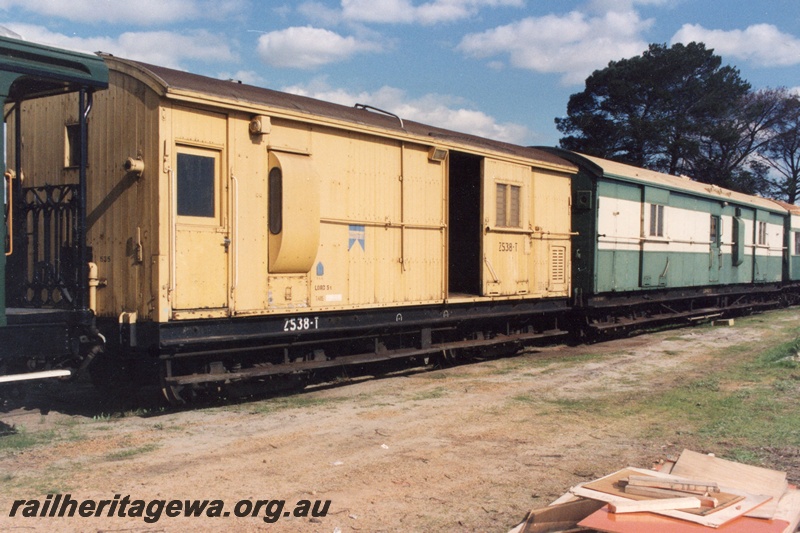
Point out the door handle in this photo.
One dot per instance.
(226, 242)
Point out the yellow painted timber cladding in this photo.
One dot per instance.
(526, 217)
(551, 239)
(201, 239)
(382, 222)
(304, 213)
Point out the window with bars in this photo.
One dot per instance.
(762, 233)
(508, 206)
(656, 220)
(714, 230)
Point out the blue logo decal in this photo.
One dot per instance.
(357, 235)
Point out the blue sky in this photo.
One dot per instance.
(503, 69)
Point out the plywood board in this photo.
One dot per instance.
(715, 519)
(752, 479)
(611, 485)
(789, 509)
(658, 504)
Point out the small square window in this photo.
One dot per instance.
(196, 182)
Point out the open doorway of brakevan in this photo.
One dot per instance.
(464, 208)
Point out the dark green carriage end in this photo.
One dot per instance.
(30, 70)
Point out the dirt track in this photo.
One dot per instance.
(470, 448)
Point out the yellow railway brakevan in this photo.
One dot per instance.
(232, 226)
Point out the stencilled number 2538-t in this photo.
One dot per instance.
(301, 323)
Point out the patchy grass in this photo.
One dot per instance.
(745, 401)
(20, 439)
(128, 453)
(431, 394)
(740, 403)
(283, 403)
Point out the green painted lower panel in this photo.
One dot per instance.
(794, 269)
(628, 271)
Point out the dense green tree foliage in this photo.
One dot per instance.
(678, 110)
(782, 153)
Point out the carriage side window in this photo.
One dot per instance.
(195, 181)
(72, 145)
(508, 205)
(762, 233)
(656, 220)
(275, 200)
(797, 243)
(714, 229)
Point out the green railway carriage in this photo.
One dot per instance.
(665, 245)
(792, 273)
(791, 263)
(45, 342)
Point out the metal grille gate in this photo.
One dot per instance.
(49, 253)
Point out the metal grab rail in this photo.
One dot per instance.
(10, 202)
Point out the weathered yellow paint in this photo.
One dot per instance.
(288, 291)
(249, 247)
(505, 255)
(551, 240)
(365, 209)
(201, 245)
(294, 249)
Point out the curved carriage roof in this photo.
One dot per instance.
(169, 81)
(30, 70)
(622, 171)
(793, 209)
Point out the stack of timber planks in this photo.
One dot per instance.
(696, 494)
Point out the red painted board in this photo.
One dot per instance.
(603, 520)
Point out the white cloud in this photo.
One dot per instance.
(404, 11)
(604, 6)
(138, 13)
(573, 45)
(307, 47)
(320, 13)
(159, 47)
(762, 44)
(443, 111)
